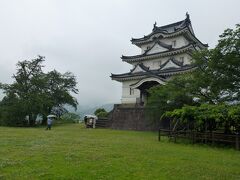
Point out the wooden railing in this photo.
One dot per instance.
(202, 137)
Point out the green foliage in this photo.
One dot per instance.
(11, 112)
(70, 117)
(101, 113)
(168, 97)
(34, 92)
(234, 117)
(206, 117)
(217, 76)
(58, 88)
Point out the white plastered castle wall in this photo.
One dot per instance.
(129, 96)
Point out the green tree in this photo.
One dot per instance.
(27, 85)
(58, 89)
(71, 117)
(101, 113)
(11, 112)
(217, 75)
(168, 97)
(37, 92)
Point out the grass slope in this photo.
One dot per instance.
(73, 152)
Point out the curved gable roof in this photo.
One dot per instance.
(166, 29)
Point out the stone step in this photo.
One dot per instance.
(103, 123)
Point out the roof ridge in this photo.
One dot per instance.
(171, 24)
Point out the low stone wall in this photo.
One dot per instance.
(130, 117)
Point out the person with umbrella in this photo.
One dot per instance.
(49, 121)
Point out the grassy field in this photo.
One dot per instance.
(73, 152)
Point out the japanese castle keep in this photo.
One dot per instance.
(165, 52)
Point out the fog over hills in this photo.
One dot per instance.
(90, 110)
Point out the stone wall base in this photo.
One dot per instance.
(131, 117)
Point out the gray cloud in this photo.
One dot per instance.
(88, 37)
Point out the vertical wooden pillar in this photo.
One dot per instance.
(140, 96)
(205, 133)
(212, 138)
(175, 137)
(159, 135)
(237, 141)
(193, 137)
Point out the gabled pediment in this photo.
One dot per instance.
(138, 68)
(158, 47)
(171, 63)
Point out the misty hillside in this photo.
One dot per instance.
(90, 110)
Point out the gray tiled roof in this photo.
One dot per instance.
(159, 53)
(158, 72)
(166, 29)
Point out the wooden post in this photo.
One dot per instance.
(193, 134)
(205, 134)
(159, 135)
(237, 141)
(175, 137)
(212, 138)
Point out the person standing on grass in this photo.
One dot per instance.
(49, 123)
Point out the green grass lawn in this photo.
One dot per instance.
(73, 152)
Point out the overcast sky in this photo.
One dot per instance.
(88, 37)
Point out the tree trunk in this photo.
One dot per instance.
(31, 120)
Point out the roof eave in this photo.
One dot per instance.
(152, 56)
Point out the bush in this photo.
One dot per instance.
(101, 113)
(206, 117)
(70, 118)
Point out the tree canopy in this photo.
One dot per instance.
(101, 113)
(35, 92)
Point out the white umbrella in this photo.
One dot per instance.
(51, 116)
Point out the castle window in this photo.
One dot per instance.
(174, 43)
(182, 59)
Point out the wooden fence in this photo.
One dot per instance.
(202, 137)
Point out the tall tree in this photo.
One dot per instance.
(217, 74)
(39, 92)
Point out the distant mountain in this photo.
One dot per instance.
(83, 110)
